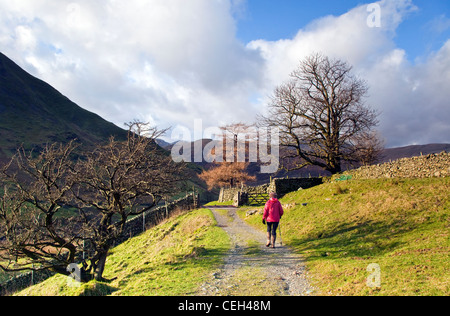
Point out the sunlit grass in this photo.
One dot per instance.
(401, 225)
(174, 258)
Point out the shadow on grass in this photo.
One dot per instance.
(353, 240)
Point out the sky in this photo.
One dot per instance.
(172, 62)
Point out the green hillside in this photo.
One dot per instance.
(33, 113)
(401, 225)
(174, 258)
(340, 229)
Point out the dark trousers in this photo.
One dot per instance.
(272, 228)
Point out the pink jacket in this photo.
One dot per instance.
(273, 211)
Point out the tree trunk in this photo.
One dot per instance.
(334, 166)
(100, 267)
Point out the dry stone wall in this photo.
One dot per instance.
(434, 165)
(228, 194)
(285, 186)
(281, 186)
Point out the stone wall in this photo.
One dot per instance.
(434, 165)
(280, 186)
(23, 281)
(262, 189)
(285, 186)
(228, 194)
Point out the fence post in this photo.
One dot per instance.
(32, 274)
(143, 222)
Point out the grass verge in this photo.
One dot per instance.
(217, 203)
(172, 259)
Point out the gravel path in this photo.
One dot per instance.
(252, 269)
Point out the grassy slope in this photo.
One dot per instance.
(402, 225)
(174, 258)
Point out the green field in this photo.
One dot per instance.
(401, 225)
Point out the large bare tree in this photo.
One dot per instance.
(53, 208)
(321, 114)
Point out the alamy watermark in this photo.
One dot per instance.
(73, 11)
(374, 279)
(74, 279)
(249, 145)
(374, 18)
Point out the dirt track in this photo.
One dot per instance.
(250, 268)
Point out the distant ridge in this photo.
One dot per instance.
(413, 151)
(389, 154)
(33, 113)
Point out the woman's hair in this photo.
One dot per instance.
(273, 195)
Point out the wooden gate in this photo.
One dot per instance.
(257, 198)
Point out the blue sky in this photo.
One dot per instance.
(422, 31)
(274, 20)
(172, 62)
(426, 29)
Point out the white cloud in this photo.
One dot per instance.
(439, 24)
(24, 38)
(410, 97)
(347, 36)
(172, 61)
(413, 98)
(165, 60)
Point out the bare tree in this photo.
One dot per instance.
(237, 140)
(227, 174)
(119, 180)
(36, 190)
(321, 114)
(100, 191)
(369, 147)
(235, 147)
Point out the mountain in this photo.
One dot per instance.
(33, 113)
(412, 151)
